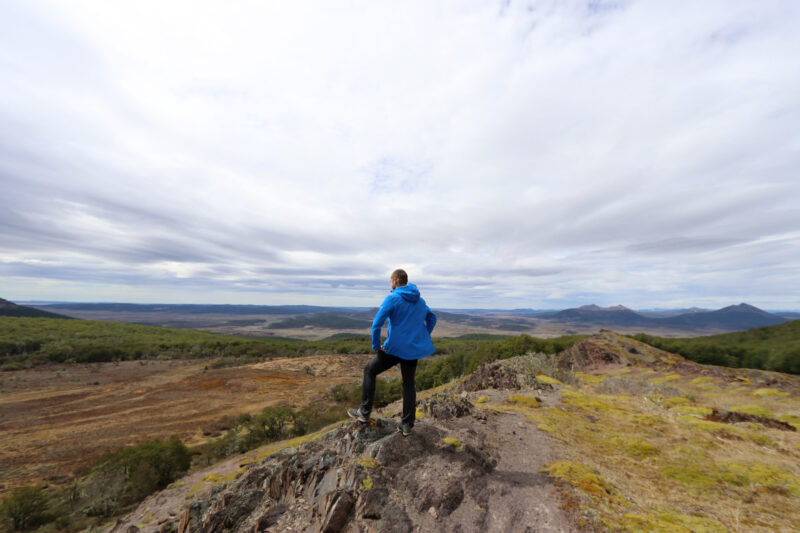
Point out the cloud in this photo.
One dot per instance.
(507, 154)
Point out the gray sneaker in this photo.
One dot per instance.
(405, 429)
(356, 413)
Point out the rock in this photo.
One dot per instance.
(490, 375)
(371, 503)
(269, 517)
(190, 521)
(341, 503)
(587, 355)
(231, 510)
(445, 407)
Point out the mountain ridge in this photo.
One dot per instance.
(8, 308)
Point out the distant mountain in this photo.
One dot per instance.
(664, 313)
(618, 315)
(194, 309)
(11, 309)
(733, 317)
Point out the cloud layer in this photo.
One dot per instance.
(537, 154)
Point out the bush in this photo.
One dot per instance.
(26, 507)
(129, 475)
(386, 391)
(272, 424)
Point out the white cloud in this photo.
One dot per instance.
(538, 154)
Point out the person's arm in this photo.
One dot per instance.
(377, 323)
(430, 321)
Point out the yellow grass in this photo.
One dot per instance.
(449, 441)
(655, 464)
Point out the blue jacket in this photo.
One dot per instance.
(411, 322)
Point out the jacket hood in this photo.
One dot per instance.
(410, 292)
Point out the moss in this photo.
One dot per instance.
(213, 478)
(758, 438)
(541, 378)
(273, 448)
(529, 401)
(763, 393)
(633, 446)
(791, 419)
(691, 410)
(669, 522)
(751, 409)
(583, 477)
(590, 378)
(369, 462)
(366, 483)
(699, 477)
(455, 443)
(582, 401)
(672, 402)
(701, 380)
(664, 379)
(707, 425)
(650, 421)
(760, 474)
(419, 413)
(481, 399)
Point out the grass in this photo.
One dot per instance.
(652, 463)
(770, 348)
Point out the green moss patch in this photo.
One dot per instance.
(369, 462)
(763, 393)
(541, 378)
(635, 447)
(670, 522)
(665, 379)
(691, 410)
(529, 401)
(583, 477)
(673, 402)
(590, 378)
(449, 441)
(751, 409)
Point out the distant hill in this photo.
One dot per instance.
(194, 308)
(322, 320)
(618, 315)
(734, 317)
(731, 318)
(11, 309)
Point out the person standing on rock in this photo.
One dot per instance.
(408, 339)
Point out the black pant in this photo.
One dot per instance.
(384, 361)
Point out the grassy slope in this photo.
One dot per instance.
(640, 456)
(772, 348)
(32, 341)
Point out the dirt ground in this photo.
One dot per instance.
(56, 420)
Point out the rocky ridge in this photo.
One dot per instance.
(464, 468)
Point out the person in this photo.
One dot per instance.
(408, 339)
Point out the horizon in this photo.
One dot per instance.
(490, 309)
(506, 155)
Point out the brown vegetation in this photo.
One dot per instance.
(58, 420)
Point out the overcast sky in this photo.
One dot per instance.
(536, 154)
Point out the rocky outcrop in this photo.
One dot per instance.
(491, 375)
(360, 477)
(736, 417)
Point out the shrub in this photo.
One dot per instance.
(26, 507)
(129, 475)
